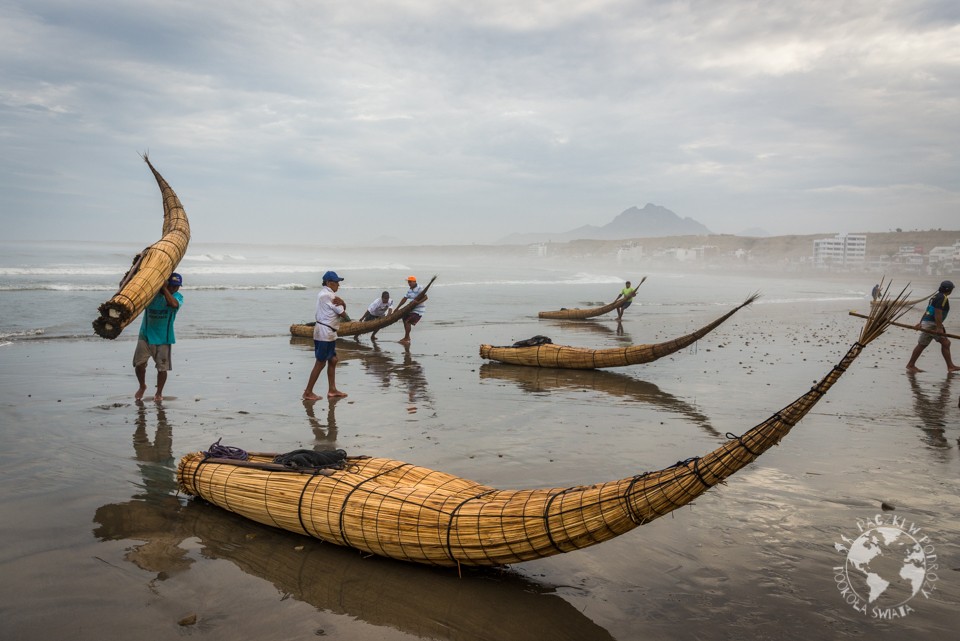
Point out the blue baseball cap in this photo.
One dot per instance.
(331, 276)
(175, 280)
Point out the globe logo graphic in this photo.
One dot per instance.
(885, 567)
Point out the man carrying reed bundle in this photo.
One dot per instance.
(156, 336)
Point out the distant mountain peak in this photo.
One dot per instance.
(651, 221)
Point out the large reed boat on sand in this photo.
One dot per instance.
(409, 512)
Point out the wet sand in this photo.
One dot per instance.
(96, 542)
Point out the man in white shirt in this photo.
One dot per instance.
(379, 308)
(330, 310)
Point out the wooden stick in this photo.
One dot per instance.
(913, 327)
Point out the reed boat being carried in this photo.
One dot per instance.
(355, 328)
(408, 512)
(590, 312)
(550, 355)
(150, 269)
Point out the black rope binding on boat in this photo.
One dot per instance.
(732, 436)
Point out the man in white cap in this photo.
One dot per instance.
(330, 310)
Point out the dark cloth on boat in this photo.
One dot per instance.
(533, 341)
(312, 459)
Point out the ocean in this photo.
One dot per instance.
(98, 543)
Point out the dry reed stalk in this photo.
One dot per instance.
(150, 269)
(551, 355)
(590, 312)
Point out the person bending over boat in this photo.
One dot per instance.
(932, 321)
(330, 311)
(627, 293)
(413, 316)
(379, 308)
(156, 337)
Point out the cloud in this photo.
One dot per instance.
(475, 120)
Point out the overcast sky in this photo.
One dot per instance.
(461, 122)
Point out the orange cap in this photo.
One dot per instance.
(413, 278)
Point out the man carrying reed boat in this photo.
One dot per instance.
(627, 293)
(932, 323)
(156, 337)
(379, 308)
(330, 311)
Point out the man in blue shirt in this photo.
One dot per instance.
(417, 299)
(932, 322)
(157, 337)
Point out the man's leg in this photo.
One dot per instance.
(314, 375)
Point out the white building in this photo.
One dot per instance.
(843, 250)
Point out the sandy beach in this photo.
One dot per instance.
(97, 543)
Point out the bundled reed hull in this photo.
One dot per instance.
(412, 513)
(150, 269)
(355, 328)
(590, 312)
(550, 355)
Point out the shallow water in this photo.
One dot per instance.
(96, 542)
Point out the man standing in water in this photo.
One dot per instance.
(330, 310)
(412, 317)
(937, 310)
(627, 293)
(156, 336)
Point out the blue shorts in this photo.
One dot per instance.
(324, 350)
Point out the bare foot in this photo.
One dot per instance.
(139, 395)
(335, 393)
(912, 369)
(953, 369)
(158, 398)
(310, 396)
(404, 341)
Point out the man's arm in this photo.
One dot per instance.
(171, 301)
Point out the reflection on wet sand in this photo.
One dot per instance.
(426, 602)
(151, 515)
(544, 379)
(932, 408)
(323, 434)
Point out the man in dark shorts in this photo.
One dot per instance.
(413, 316)
(932, 321)
(627, 293)
(330, 310)
(156, 337)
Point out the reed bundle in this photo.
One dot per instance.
(590, 312)
(150, 269)
(355, 328)
(551, 355)
(407, 512)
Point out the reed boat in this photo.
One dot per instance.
(589, 312)
(563, 356)
(355, 328)
(408, 512)
(150, 269)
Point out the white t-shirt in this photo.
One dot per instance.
(378, 308)
(412, 294)
(327, 316)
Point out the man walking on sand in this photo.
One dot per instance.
(932, 321)
(330, 310)
(413, 316)
(156, 336)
